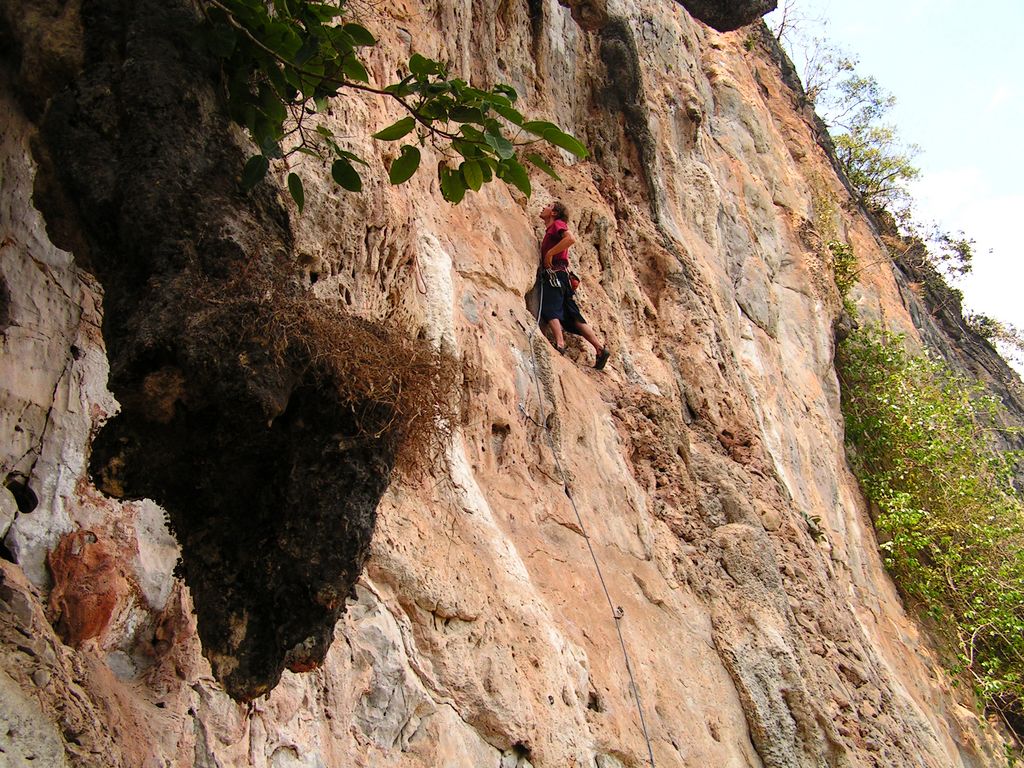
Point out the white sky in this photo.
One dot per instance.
(956, 72)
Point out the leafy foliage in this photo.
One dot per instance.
(879, 166)
(876, 162)
(284, 60)
(1007, 336)
(951, 521)
(876, 166)
(856, 101)
(844, 265)
(953, 252)
(854, 107)
(870, 152)
(838, 255)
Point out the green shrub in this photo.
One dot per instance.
(948, 516)
(844, 265)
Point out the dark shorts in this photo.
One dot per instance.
(558, 303)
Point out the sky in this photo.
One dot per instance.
(956, 73)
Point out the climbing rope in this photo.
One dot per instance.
(617, 612)
(421, 286)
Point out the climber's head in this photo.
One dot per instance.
(554, 210)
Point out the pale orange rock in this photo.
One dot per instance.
(706, 462)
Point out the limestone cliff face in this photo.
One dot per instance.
(707, 461)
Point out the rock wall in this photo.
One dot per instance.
(706, 461)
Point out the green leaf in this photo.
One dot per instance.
(282, 38)
(471, 150)
(272, 105)
(473, 174)
(250, 14)
(310, 48)
(453, 187)
(506, 89)
(555, 135)
(244, 114)
(269, 147)
(405, 165)
(292, 78)
(342, 43)
(313, 69)
(492, 126)
(565, 141)
(346, 176)
(324, 131)
(541, 163)
(360, 35)
(512, 173)
(325, 11)
(280, 82)
(540, 127)
(436, 109)
(461, 114)
(502, 147)
(295, 187)
(422, 67)
(396, 130)
(402, 88)
(493, 99)
(354, 70)
(255, 169)
(353, 157)
(509, 114)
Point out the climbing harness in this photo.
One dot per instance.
(616, 611)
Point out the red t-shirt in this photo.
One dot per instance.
(555, 232)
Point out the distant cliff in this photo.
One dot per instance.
(298, 600)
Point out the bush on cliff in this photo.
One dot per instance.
(950, 520)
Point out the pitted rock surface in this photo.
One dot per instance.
(707, 460)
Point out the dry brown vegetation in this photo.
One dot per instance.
(400, 389)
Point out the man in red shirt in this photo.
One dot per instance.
(558, 308)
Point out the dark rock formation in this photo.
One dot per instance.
(625, 132)
(230, 419)
(726, 16)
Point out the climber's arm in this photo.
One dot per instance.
(562, 245)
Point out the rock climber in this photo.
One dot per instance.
(558, 308)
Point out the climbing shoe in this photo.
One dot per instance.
(602, 358)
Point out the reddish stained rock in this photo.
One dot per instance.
(739, 444)
(88, 589)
